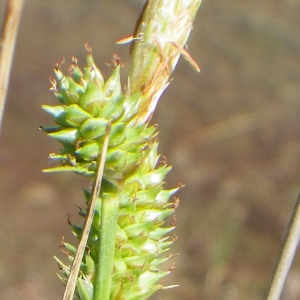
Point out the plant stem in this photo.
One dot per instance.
(72, 280)
(109, 215)
(7, 45)
(286, 255)
(160, 37)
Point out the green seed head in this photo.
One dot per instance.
(132, 174)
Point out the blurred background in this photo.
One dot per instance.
(231, 133)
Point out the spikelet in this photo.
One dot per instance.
(132, 174)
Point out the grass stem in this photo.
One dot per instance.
(7, 45)
(286, 255)
(72, 279)
(109, 216)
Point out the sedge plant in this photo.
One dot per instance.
(106, 136)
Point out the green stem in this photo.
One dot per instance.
(109, 214)
(72, 280)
